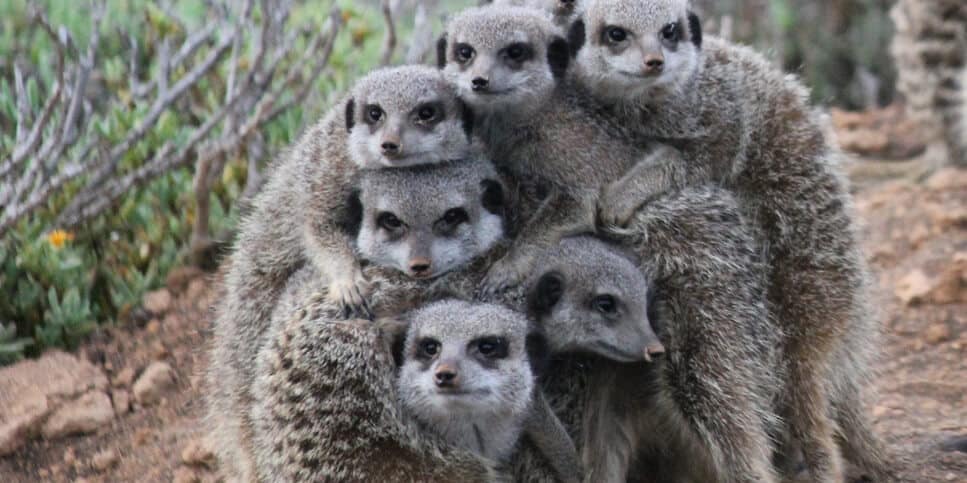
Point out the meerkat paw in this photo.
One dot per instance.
(616, 206)
(506, 273)
(350, 294)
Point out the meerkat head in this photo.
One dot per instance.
(561, 11)
(503, 59)
(590, 297)
(428, 220)
(633, 50)
(465, 363)
(404, 116)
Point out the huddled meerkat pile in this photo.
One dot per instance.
(592, 244)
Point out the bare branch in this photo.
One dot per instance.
(389, 42)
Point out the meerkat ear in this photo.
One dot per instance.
(393, 333)
(467, 117)
(493, 196)
(350, 114)
(558, 56)
(350, 218)
(441, 51)
(545, 295)
(538, 353)
(575, 36)
(695, 29)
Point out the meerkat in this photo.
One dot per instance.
(510, 65)
(394, 117)
(681, 417)
(744, 125)
(562, 12)
(284, 426)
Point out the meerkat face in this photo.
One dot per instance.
(462, 360)
(636, 49)
(591, 298)
(404, 116)
(503, 59)
(428, 220)
(561, 11)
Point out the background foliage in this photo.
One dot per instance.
(56, 285)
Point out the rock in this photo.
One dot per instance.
(951, 286)
(124, 378)
(104, 460)
(913, 287)
(157, 379)
(32, 390)
(185, 475)
(159, 351)
(947, 179)
(196, 288)
(85, 415)
(937, 333)
(180, 278)
(864, 141)
(158, 301)
(197, 453)
(153, 327)
(121, 400)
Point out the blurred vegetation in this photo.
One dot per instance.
(838, 47)
(57, 285)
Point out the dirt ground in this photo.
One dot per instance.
(914, 235)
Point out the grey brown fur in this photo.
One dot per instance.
(706, 410)
(297, 220)
(550, 136)
(747, 127)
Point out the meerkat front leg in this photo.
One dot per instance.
(333, 256)
(661, 170)
(559, 215)
(548, 434)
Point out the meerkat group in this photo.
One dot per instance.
(659, 210)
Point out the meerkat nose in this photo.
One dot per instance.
(445, 376)
(480, 84)
(654, 349)
(419, 265)
(654, 64)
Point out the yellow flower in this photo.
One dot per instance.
(57, 238)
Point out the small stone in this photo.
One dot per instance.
(153, 326)
(124, 378)
(913, 287)
(157, 379)
(178, 279)
(185, 475)
(104, 460)
(951, 285)
(158, 301)
(142, 436)
(197, 453)
(121, 400)
(947, 179)
(196, 288)
(43, 473)
(937, 333)
(159, 351)
(918, 235)
(950, 476)
(880, 411)
(85, 415)
(69, 457)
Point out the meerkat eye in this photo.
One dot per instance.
(464, 53)
(518, 52)
(373, 114)
(492, 347)
(388, 221)
(670, 32)
(615, 35)
(429, 348)
(455, 216)
(605, 304)
(427, 114)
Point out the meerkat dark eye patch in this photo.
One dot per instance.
(491, 347)
(464, 53)
(388, 221)
(558, 56)
(575, 37)
(350, 114)
(450, 220)
(671, 33)
(545, 295)
(373, 114)
(517, 53)
(441, 51)
(493, 196)
(695, 29)
(427, 348)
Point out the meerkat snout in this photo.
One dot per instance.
(480, 84)
(446, 375)
(420, 266)
(654, 64)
